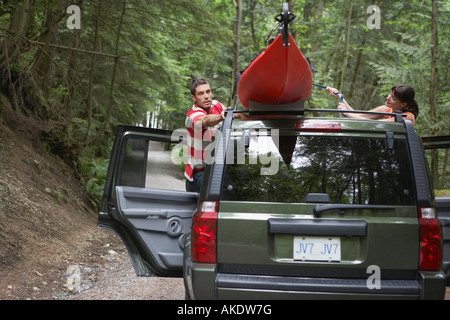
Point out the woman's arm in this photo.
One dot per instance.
(345, 106)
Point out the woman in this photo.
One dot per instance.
(401, 99)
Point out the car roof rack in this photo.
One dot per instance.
(399, 116)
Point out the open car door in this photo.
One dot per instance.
(439, 148)
(145, 201)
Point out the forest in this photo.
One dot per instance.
(77, 68)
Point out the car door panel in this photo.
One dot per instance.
(145, 201)
(160, 218)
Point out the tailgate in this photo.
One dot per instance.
(257, 239)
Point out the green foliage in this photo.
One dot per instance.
(132, 58)
(161, 45)
(93, 175)
(442, 193)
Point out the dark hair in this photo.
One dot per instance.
(195, 83)
(406, 94)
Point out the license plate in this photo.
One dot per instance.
(317, 248)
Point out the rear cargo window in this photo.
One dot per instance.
(287, 168)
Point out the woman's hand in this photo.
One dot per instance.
(333, 92)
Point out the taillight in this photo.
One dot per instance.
(204, 233)
(430, 240)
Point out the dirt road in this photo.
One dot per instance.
(117, 279)
(50, 246)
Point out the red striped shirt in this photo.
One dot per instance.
(198, 138)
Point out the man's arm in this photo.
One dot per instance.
(210, 120)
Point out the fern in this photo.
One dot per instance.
(93, 173)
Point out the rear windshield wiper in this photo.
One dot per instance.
(319, 209)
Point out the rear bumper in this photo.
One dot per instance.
(275, 287)
(298, 284)
(429, 285)
(205, 283)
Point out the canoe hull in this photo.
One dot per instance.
(278, 76)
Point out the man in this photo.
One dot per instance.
(201, 120)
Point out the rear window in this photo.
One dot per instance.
(271, 168)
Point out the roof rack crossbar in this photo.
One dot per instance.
(398, 115)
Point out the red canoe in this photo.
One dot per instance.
(278, 76)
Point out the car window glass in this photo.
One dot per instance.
(349, 170)
(148, 164)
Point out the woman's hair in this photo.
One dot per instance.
(406, 94)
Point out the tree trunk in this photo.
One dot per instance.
(13, 46)
(432, 94)
(236, 48)
(92, 71)
(347, 39)
(16, 84)
(252, 6)
(110, 105)
(311, 9)
(292, 29)
(71, 78)
(356, 70)
(43, 66)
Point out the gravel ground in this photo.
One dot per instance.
(112, 277)
(98, 269)
(118, 281)
(50, 246)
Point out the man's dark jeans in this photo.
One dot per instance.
(196, 184)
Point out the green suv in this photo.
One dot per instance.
(291, 207)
